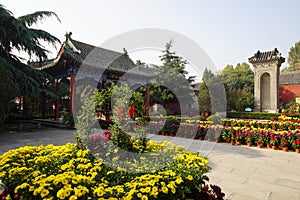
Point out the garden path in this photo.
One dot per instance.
(244, 173)
(248, 173)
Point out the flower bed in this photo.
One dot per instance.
(67, 172)
(284, 132)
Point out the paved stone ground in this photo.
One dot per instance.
(244, 173)
(14, 139)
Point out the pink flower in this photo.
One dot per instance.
(96, 137)
(96, 147)
(105, 136)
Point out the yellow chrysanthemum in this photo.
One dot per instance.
(189, 177)
(164, 189)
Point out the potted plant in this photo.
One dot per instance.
(232, 139)
(260, 141)
(201, 132)
(226, 135)
(249, 139)
(217, 136)
(284, 143)
(296, 145)
(274, 141)
(239, 138)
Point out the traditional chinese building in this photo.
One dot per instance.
(266, 80)
(273, 88)
(289, 87)
(86, 63)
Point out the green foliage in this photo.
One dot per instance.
(239, 78)
(204, 95)
(253, 115)
(173, 61)
(122, 98)
(9, 89)
(86, 117)
(239, 85)
(216, 119)
(240, 99)
(172, 73)
(68, 120)
(103, 99)
(138, 101)
(211, 97)
(294, 57)
(169, 124)
(17, 34)
(172, 120)
(198, 117)
(31, 19)
(293, 107)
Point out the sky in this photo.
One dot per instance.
(228, 31)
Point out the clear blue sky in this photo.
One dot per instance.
(229, 31)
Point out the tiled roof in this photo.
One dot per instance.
(289, 78)
(97, 57)
(266, 56)
(90, 55)
(39, 64)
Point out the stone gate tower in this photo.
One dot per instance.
(266, 80)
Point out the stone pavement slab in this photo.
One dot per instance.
(244, 173)
(13, 140)
(248, 173)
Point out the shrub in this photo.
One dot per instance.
(198, 117)
(68, 120)
(253, 115)
(171, 125)
(216, 119)
(66, 172)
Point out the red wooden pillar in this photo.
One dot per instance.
(147, 100)
(72, 91)
(57, 101)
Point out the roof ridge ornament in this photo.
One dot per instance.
(69, 42)
(125, 51)
(267, 56)
(68, 35)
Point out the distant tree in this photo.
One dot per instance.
(204, 99)
(171, 73)
(239, 85)
(239, 99)
(294, 57)
(175, 62)
(241, 77)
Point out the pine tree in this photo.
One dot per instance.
(172, 84)
(17, 34)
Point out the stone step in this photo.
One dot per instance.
(51, 123)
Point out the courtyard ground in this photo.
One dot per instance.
(244, 173)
